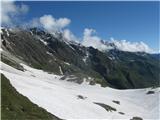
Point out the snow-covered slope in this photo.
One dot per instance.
(69, 100)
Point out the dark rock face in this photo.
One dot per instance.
(150, 92)
(117, 102)
(113, 68)
(136, 118)
(106, 107)
(121, 113)
(81, 97)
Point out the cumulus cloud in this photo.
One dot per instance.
(51, 24)
(131, 46)
(68, 35)
(10, 11)
(90, 39)
(33, 23)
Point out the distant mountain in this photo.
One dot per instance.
(157, 56)
(53, 53)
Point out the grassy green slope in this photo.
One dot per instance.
(14, 106)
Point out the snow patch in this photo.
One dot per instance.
(111, 58)
(67, 63)
(49, 53)
(31, 32)
(44, 42)
(85, 57)
(67, 42)
(7, 32)
(60, 69)
(1, 49)
(1, 32)
(60, 97)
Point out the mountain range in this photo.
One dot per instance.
(45, 76)
(53, 53)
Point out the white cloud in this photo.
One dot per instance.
(34, 23)
(68, 35)
(89, 39)
(51, 24)
(10, 11)
(62, 22)
(132, 46)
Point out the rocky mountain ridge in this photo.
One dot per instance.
(53, 53)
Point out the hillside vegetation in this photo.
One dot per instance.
(18, 107)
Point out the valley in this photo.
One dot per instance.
(70, 100)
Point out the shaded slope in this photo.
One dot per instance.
(16, 106)
(50, 53)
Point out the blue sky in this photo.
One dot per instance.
(133, 21)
